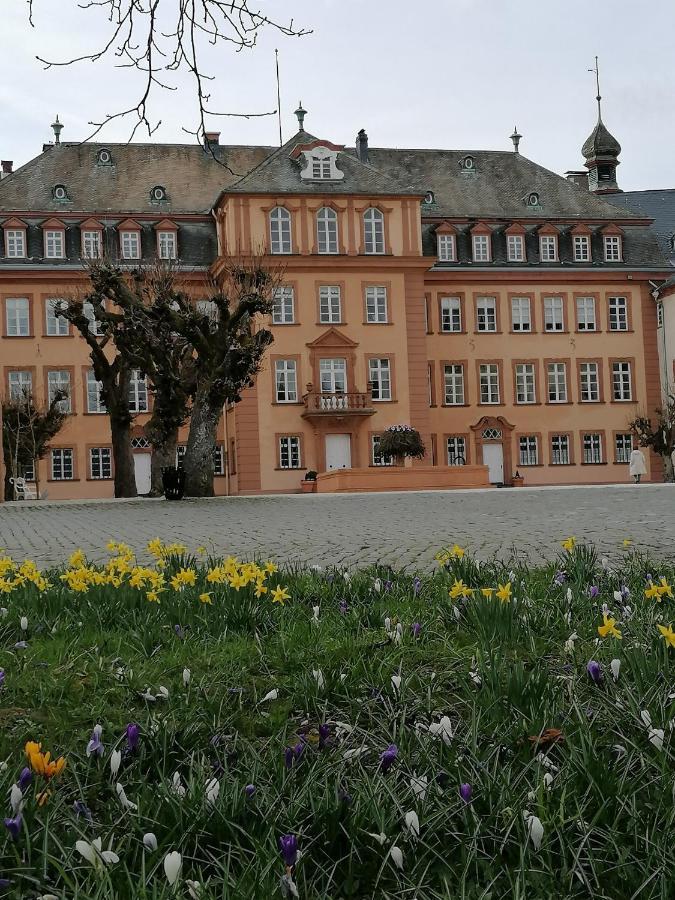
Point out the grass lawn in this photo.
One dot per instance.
(414, 737)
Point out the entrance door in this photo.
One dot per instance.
(338, 452)
(142, 472)
(493, 458)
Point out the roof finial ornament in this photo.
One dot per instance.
(57, 128)
(515, 137)
(301, 113)
(597, 85)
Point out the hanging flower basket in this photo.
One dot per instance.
(400, 441)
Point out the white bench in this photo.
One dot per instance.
(22, 490)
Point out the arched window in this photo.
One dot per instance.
(280, 230)
(327, 230)
(373, 231)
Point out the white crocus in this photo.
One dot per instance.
(16, 799)
(646, 718)
(172, 866)
(617, 597)
(24, 623)
(396, 856)
(194, 889)
(318, 677)
(456, 613)
(548, 780)
(316, 610)
(3, 611)
(186, 677)
(475, 677)
(656, 737)
(347, 577)
(381, 838)
(270, 695)
(212, 790)
(412, 823)
(162, 693)
(396, 683)
(150, 841)
(124, 800)
(615, 666)
(148, 695)
(177, 785)
(569, 643)
(377, 584)
(442, 730)
(387, 624)
(349, 755)
(535, 829)
(418, 785)
(94, 855)
(115, 760)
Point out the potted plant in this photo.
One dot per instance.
(173, 482)
(401, 441)
(517, 480)
(308, 483)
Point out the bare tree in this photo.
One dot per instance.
(162, 39)
(660, 434)
(27, 430)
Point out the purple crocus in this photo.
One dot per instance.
(416, 628)
(249, 790)
(95, 746)
(388, 585)
(625, 592)
(465, 792)
(559, 578)
(81, 809)
(288, 844)
(180, 631)
(25, 778)
(324, 736)
(343, 607)
(2, 677)
(14, 826)
(293, 754)
(594, 671)
(133, 733)
(387, 757)
(593, 591)
(417, 585)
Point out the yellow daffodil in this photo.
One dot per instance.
(201, 550)
(271, 567)
(653, 592)
(152, 597)
(260, 589)
(183, 578)
(459, 589)
(280, 595)
(205, 598)
(457, 552)
(77, 559)
(608, 627)
(504, 592)
(487, 592)
(664, 588)
(668, 634)
(569, 543)
(627, 542)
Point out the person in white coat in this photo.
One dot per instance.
(637, 465)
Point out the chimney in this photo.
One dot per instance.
(6, 167)
(578, 177)
(211, 139)
(362, 145)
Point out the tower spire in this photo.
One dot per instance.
(598, 97)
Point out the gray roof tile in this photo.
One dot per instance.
(658, 205)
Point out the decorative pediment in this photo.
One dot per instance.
(581, 228)
(446, 228)
(299, 149)
(498, 423)
(548, 228)
(612, 229)
(166, 225)
(91, 225)
(515, 228)
(14, 223)
(129, 225)
(333, 339)
(480, 228)
(54, 225)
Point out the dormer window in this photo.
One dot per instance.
(447, 247)
(429, 198)
(104, 157)
(467, 164)
(320, 163)
(671, 242)
(581, 246)
(612, 245)
(320, 167)
(532, 199)
(515, 248)
(15, 239)
(54, 243)
(158, 194)
(548, 247)
(59, 192)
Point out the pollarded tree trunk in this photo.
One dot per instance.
(198, 462)
(163, 455)
(123, 457)
(667, 466)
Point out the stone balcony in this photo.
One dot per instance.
(337, 404)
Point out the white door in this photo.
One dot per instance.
(142, 470)
(493, 458)
(338, 452)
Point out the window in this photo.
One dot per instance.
(138, 392)
(548, 248)
(586, 313)
(481, 247)
(94, 402)
(59, 192)
(100, 463)
(20, 385)
(612, 244)
(166, 242)
(486, 314)
(621, 381)
(218, 460)
(557, 383)
(289, 452)
(618, 314)
(373, 231)
(62, 465)
(280, 230)
(283, 312)
(321, 167)
(15, 242)
(581, 246)
(104, 157)
(158, 193)
(376, 305)
(446, 247)
(286, 381)
(18, 317)
(379, 459)
(56, 325)
(131, 244)
(592, 444)
(94, 324)
(330, 306)
(456, 450)
(58, 382)
(379, 375)
(560, 450)
(54, 244)
(327, 230)
(451, 314)
(525, 383)
(623, 447)
(91, 244)
(489, 383)
(553, 314)
(454, 384)
(209, 309)
(528, 450)
(181, 450)
(659, 314)
(589, 382)
(520, 314)
(515, 248)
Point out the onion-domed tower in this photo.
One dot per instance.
(601, 151)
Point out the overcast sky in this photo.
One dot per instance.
(456, 74)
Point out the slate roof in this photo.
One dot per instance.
(192, 177)
(658, 205)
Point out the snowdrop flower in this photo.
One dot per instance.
(94, 855)
(115, 760)
(150, 842)
(177, 785)
(396, 683)
(396, 856)
(186, 677)
(535, 829)
(418, 785)
(316, 610)
(377, 584)
(162, 693)
(212, 790)
(318, 677)
(270, 695)
(412, 823)
(656, 737)
(16, 799)
(172, 866)
(24, 623)
(615, 666)
(381, 838)
(124, 800)
(442, 730)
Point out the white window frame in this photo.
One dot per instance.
(321, 168)
(100, 463)
(486, 314)
(451, 315)
(560, 450)
(612, 247)
(528, 450)
(446, 247)
(55, 243)
(281, 235)
(488, 376)
(167, 244)
(130, 244)
(95, 404)
(379, 376)
(548, 247)
(591, 444)
(290, 452)
(618, 313)
(481, 250)
(453, 385)
(554, 314)
(327, 230)
(94, 324)
(526, 383)
(91, 244)
(138, 392)
(455, 449)
(622, 447)
(521, 315)
(55, 326)
(283, 311)
(19, 384)
(15, 243)
(57, 382)
(515, 248)
(62, 464)
(17, 316)
(286, 381)
(333, 375)
(377, 458)
(376, 305)
(330, 304)
(589, 382)
(373, 231)
(585, 308)
(218, 460)
(556, 389)
(622, 381)
(581, 246)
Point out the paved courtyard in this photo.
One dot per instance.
(397, 528)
